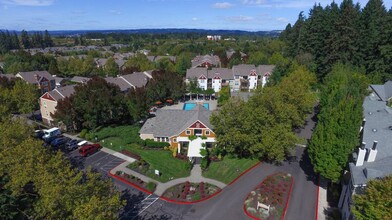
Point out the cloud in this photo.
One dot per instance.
(195, 19)
(222, 5)
(115, 12)
(282, 19)
(240, 18)
(253, 2)
(28, 2)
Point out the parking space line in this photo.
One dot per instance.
(149, 203)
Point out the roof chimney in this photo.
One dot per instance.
(373, 153)
(361, 155)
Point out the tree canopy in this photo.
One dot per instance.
(263, 126)
(344, 33)
(376, 202)
(37, 184)
(339, 120)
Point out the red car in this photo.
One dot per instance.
(89, 149)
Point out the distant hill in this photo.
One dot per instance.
(273, 33)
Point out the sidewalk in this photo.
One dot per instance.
(195, 177)
(322, 199)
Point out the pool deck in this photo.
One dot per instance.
(212, 104)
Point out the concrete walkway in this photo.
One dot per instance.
(323, 206)
(195, 177)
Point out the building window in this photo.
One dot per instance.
(202, 81)
(44, 83)
(236, 83)
(237, 77)
(207, 132)
(198, 132)
(188, 132)
(47, 114)
(175, 140)
(45, 104)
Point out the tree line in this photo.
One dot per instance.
(263, 127)
(11, 41)
(98, 103)
(345, 34)
(340, 117)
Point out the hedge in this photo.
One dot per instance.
(153, 144)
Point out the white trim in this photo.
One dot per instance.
(127, 81)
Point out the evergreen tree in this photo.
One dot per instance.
(25, 39)
(48, 42)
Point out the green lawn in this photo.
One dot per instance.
(228, 169)
(169, 167)
(127, 137)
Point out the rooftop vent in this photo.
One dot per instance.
(390, 127)
(370, 113)
(374, 130)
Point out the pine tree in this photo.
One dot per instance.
(25, 39)
(48, 42)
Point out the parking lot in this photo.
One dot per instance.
(139, 204)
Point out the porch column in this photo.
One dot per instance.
(178, 148)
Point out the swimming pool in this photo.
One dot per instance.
(190, 106)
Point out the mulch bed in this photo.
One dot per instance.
(273, 191)
(135, 180)
(190, 192)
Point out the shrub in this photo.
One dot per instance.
(83, 133)
(118, 172)
(154, 144)
(131, 154)
(175, 153)
(88, 136)
(204, 163)
(203, 137)
(192, 137)
(151, 186)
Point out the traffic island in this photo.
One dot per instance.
(269, 200)
(187, 193)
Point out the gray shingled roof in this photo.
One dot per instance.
(376, 169)
(198, 60)
(62, 92)
(377, 128)
(168, 123)
(262, 69)
(384, 92)
(137, 79)
(243, 69)
(196, 72)
(223, 73)
(30, 76)
(120, 82)
(79, 79)
(101, 62)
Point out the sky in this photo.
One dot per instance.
(249, 15)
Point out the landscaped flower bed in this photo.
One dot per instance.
(190, 192)
(273, 192)
(150, 186)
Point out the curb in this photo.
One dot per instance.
(193, 202)
(131, 184)
(318, 195)
(288, 198)
(243, 173)
(287, 201)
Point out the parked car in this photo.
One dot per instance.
(52, 138)
(50, 133)
(59, 141)
(38, 134)
(72, 145)
(89, 149)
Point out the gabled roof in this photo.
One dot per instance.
(80, 79)
(263, 69)
(223, 73)
(196, 72)
(120, 82)
(35, 76)
(384, 92)
(168, 123)
(211, 59)
(58, 80)
(360, 175)
(137, 79)
(243, 69)
(62, 92)
(101, 61)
